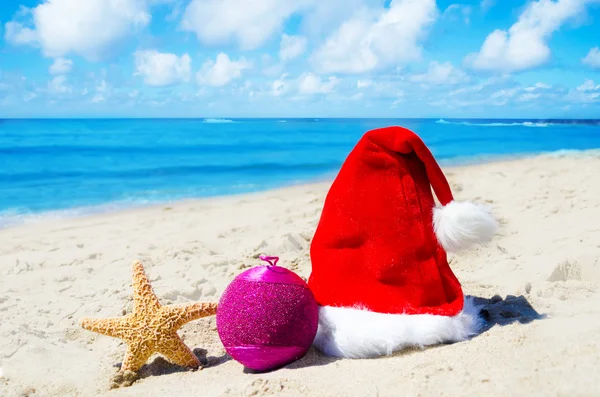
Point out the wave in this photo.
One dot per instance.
(573, 153)
(500, 157)
(496, 124)
(522, 123)
(162, 150)
(218, 121)
(20, 216)
(240, 169)
(532, 124)
(23, 216)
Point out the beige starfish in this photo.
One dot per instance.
(151, 327)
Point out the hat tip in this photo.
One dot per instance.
(460, 225)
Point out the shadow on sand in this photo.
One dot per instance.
(498, 311)
(493, 311)
(160, 366)
(313, 358)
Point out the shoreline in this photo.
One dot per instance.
(41, 217)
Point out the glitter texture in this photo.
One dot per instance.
(267, 317)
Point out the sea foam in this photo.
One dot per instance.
(496, 124)
(218, 121)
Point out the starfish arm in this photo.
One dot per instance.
(174, 350)
(136, 356)
(117, 327)
(144, 298)
(178, 315)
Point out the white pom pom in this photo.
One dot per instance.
(460, 225)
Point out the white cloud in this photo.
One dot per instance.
(324, 17)
(249, 23)
(162, 68)
(271, 66)
(440, 73)
(466, 12)
(398, 100)
(176, 11)
(310, 84)
(291, 47)
(61, 66)
(528, 97)
(505, 93)
(280, 86)
(494, 91)
(29, 96)
(220, 72)
(451, 8)
(377, 38)
(16, 33)
(460, 9)
(588, 85)
(487, 4)
(524, 45)
(58, 85)
(588, 92)
(159, 103)
(500, 91)
(592, 58)
(538, 86)
(465, 90)
(88, 28)
(102, 92)
(363, 83)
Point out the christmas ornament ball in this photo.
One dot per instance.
(267, 317)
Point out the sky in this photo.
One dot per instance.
(300, 58)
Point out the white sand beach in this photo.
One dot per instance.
(539, 280)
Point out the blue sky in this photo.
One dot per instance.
(300, 58)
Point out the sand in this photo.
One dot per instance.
(539, 281)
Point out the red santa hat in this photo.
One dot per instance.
(379, 267)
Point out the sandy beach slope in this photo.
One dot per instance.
(539, 281)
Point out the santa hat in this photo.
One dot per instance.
(379, 267)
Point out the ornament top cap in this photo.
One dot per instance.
(271, 273)
(267, 258)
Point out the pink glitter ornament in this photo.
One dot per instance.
(267, 317)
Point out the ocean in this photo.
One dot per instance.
(60, 168)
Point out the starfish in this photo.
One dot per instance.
(151, 328)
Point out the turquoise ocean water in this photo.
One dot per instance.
(72, 167)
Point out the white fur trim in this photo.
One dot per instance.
(356, 333)
(459, 225)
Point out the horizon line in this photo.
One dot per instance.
(296, 118)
